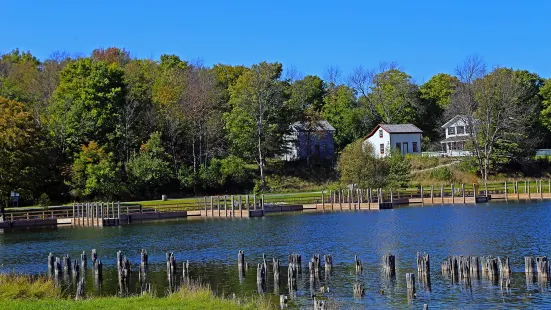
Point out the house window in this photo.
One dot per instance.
(460, 130)
(380, 133)
(468, 129)
(414, 147)
(399, 146)
(382, 148)
(451, 130)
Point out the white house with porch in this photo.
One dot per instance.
(457, 132)
(405, 137)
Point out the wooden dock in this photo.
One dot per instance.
(102, 214)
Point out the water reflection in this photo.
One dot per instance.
(211, 248)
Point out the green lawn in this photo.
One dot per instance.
(26, 292)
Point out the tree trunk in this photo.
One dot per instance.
(261, 163)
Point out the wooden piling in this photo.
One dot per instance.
(422, 196)
(389, 265)
(262, 202)
(529, 264)
(504, 267)
(442, 193)
(463, 192)
(275, 271)
(453, 193)
(51, 263)
(98, 272)
(185, 272)
(410, 282)
(79, 293)
(322, 200)
(261, 277)
(328, 261)
(542, 266)
(232, 201)
(358, 264)
(359, 290)
(171, 266)
(144, 266)
(432, 194)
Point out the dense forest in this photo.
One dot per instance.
(109, 126)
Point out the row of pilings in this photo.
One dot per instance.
(461, 270)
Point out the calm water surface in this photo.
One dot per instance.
(500, 229)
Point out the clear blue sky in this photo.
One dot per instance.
(423, 37)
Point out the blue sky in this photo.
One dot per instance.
(423, 37)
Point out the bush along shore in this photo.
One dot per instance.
(37, 292)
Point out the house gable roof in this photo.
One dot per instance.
(396, 128)
(319, 126)
(454, 120)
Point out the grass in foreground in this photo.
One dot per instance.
(25, 292)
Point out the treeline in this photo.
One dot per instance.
(111, 126)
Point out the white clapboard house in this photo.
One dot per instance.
(457, 132)
(405, 137)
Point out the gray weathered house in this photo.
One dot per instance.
(315, 140)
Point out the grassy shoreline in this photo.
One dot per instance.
(30, 292)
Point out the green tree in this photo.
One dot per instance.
(435, 97)
(545, 93)
(87, 105)
(359, 165)
(258, 119)
(438, 89)
(138, 114)
(307, 93)
(394, 97)
(19, 73)
(495, 107)
(95, 174)
(149, 171)
(344, 113)
(21, 149)
(399, 168)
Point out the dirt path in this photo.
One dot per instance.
(432, 168)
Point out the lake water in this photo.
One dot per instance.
(499, 229)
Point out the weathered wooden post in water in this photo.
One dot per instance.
(261, 277)
(453, 193)
(51, 264)
(241, 265)
(432, 194)
(79, 293)
(262, 202)
(98, 273)
(463, 192)
(389, 265)
(423, 270)
(171, 270)
(410, 282)
(185, 272)
(505, 192)
(542, 265)
(275, 270)
(232, 201)
(358, 264)
(358, 288)
(442, 193)
(144, 261)
(322, 200)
